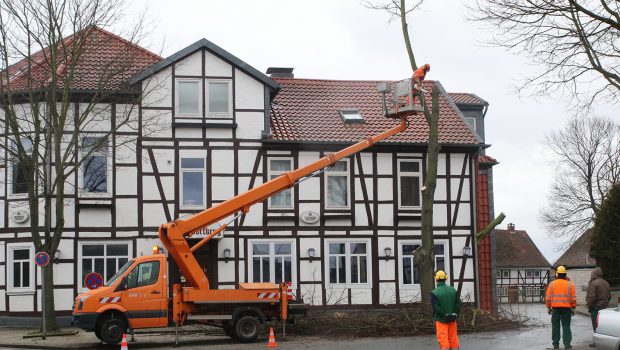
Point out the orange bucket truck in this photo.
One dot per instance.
(141, 294)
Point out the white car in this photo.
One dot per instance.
(607, 334)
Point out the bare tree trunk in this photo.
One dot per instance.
(427, 257)
(50, 317)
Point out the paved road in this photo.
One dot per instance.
(536, 337)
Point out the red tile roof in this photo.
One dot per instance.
(102, 54)
(515, 248)
(577, 254)
(307, 110)
(484, 159)
(467, 98)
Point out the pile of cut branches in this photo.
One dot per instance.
(408, 320)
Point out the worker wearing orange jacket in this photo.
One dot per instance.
(561, 303)
(420, 73)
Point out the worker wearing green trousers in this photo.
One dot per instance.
(561, 315)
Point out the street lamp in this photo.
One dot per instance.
(226, 255)
(311, 254)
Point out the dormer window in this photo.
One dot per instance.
(351, 115)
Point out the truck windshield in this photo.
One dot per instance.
(120, 272)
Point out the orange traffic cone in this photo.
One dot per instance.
(124, 343)
(272, 339)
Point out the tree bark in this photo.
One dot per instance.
(427, 255)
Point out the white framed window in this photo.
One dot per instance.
(188, 97)
(409, 182)
(536, 273)
(219, 98)
(105, 258)
(19, 183)
(348, 262)
(21, 268)
(193, 182)
(272, 261)
(277, 167)
(410, 272)
(502, 291)
(337, 186)
(498, 274)
(96, 165)
(505, 273)
(529, 273)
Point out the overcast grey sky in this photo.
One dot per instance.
(340, 39)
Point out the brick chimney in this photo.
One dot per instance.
(280, 72)
(511, 227)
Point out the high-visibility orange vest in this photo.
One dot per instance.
(561, 293)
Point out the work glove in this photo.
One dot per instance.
(572, 311)
(549, 310)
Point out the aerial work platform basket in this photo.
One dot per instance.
(405, 98)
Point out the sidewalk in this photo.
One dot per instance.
(14, 338)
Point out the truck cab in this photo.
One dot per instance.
(136, 297)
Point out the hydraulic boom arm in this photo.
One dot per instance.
(173, 234)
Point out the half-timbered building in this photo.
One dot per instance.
(522, 272)
(344, 237)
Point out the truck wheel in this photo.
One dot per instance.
(112, 330)
(247, 329)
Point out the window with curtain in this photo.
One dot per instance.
(219, 97)
(409, 177)
(188, 97)
(21, 268)
(284, 199)
(337, 183)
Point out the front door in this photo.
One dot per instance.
(207, 259)
(145, 296)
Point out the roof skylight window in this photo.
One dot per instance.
(351, 116)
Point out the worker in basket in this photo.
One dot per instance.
(416, 81)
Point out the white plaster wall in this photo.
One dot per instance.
(157, 90)
(3, 178)
(2, 300)
(126, 212)
(361, 296)
(249, 92)
(247, 158)
(386, 267)
(308, 189)
(359, 194)
(188, 133)
(158, 123)
(387, 293)
(126, 181)
(410, 295)
(312, 294)
(126, 149)
(366, 163)
(216, 67)
(21, 303)
(222, 161)
(361, 217)
(190, 65)
(386, 195)
(439, 215)
(144, 246)
(255, 216)
(222, 187)
(250, 125)
(467, 292)
(456, 164)
(455, 183)
(164, 159)
(384, 164)
(441, 191)
(95, 217)
(215, 134)
(441, 164)
(63, 299)
(63, 273)
(99, 119)
(127, 117)
(154, 214)
(66, 249)
(386, 215)
(463, 216)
